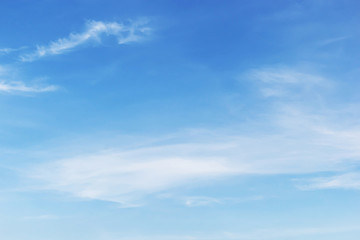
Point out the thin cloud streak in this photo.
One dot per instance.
(342, 181)
(333, 40)
(199, 201)
(4, 51)
(256, 234)
(10, 83)
(285, 82)
(20, 87)
(95, 30)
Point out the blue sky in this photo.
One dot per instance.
(174, 120)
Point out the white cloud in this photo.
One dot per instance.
(286, 233)
(95, 30)
(13, 86)
(4, 51)
(125, 176)
(200, 201)
(250, 234)
(284, 76)
(343, 181)
(285, 82)
(288, 139)
(20, 87)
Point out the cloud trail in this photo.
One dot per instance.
(95, 30)
(4, 51)
(349, 180)
(20, 87)
(10, 84)
(286, 82)
(126, 176)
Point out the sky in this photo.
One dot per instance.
(179, 120)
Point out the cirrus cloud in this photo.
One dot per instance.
(299, 137)
(94, 31)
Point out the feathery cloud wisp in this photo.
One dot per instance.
(17, 87)
(284, 82)
(124, 176)
(10, 50)
(95, 30)
(13, 85)
(6, 50)
(343, 181)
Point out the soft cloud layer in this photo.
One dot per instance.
(285, 82)
(343, 181)
(123, 176)
(95, 30)
(300, 138)
(254, 234)
(286, 233)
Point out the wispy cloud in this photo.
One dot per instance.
(132, 31)
(281, 82)
(10, 50)
(20, 87)
(333, 40)
(299, 140)
(286, 233)
(95, 30)
(124, 176)
(13, 86)
(349, 180)
(5, 50)
(198, 201)
(255, 234)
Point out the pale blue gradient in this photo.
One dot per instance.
(174, 120)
